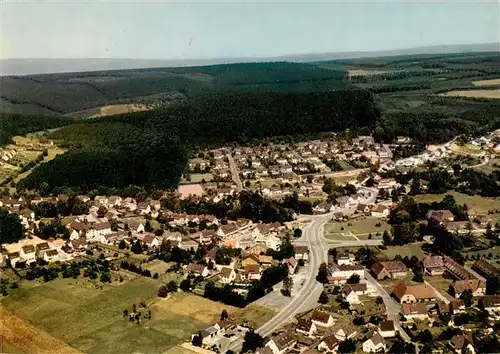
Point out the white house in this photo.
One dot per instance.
(198, 269)
(322, 319)
(281, 343)
(346, 259)
(374, 344)
(329, 344)
(97, 231)
(387, 329)
(301, 252)
(380, 211)
(227, 275)
(346, 332)
(351, 292)
(28, 253)
(416, 311)
(306, 327)
(50, 256)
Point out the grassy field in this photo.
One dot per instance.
(362, 226)
(475, 203)
(489, 167)
(7, 348)
(492, 94)
(197, 178)
(254, 315)
(179, 350)
(91, 320)
(483, 83)
(409, 250)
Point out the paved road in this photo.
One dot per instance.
(391, 306)
(234, 172)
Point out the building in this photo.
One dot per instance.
(227, 275)
(346, 332)
(476, 286)
(252, 271)
(461, 344)
(440, 216)
(197, 269)
(329, 344)
(301, 252)
(387, 329)
(491, 304)
(346, 259)
(339, 274)
(485, 268)
(433, 265)
(414, 293)
(250, 259)
(380, 211)
(282, 342)
(306, 327)
(322, 319)
(291, 263)
(416, 311)
(351, 292)
(28, 253)
(389, 269)
(375, 344)
(226, 230)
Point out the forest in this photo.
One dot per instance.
(16, 124)
(150, 149)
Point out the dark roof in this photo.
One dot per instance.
(225, 272)
(51, 253)
(387, 326)
(28, 249)
(42, 246)
(331, 341)
(320, 316)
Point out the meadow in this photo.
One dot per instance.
(91, 320)
(476, 203)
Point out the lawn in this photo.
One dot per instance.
(409, 250)
(197, 178)
(476, 203)
(91, 320)
(441, 284)
(7, 348)
(362, 226)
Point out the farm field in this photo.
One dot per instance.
(494, 94)
(483, 83)
(362, 226)
(91, 320)
(110, 110)
(475, 203)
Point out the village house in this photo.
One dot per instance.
(455, 271)
(363, 208)
(227, 275)
(440, 216)
(346, 259)
(375, 344)
(433, 265)
(351, 292)
(79, 244)
(96, 232)
(14, 257)
(261, 230)
(416, 311)
(251, 259)
(491, 304)
(266, 261)
(291, 263)
(462, 345)
(28, 253)
(207, 236)
(452, 308)
(151, 241)
(270, 241)
(306, 327)
(322, 319)
(329, 344)
(380, 211)
(227, 230)
(135, 226)
(197, 269)
(323, 208)
(387, 183)
(281, 343)
(301, 252)
(346, 332)
(256, 250)
(476, 286)
(50, 256)
(251, 272)
(231, 243)
(389, 269)
(211, 254)
(77, 229)
(339, 274)
(40, 248)
(413, 293)
(387, 329)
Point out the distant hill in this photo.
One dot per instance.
(46, 66)
(66, 93)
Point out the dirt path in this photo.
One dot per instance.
(22, 335)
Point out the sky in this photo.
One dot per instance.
(226, 29)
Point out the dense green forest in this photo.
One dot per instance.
(151, 148)
(70, 92)
(15, 124)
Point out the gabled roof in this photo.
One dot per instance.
(331, 342)
(195, 268)
(386, 326)
(320, 316)
(414, 309)
(420, 292)
(28, 249)
(432, 262)
(226, 272)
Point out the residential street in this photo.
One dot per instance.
(234, 172)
